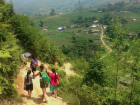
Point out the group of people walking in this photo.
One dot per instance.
(46, 77)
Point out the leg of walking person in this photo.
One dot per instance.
(34, 72)
(55, 94)
(53, 89)
(44, 93)
(30, 93)
(31, 89)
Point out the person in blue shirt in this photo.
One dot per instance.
(33, 64)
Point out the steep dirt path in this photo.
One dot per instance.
(110, 50)
(36, 94)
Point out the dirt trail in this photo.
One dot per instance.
(67, 68)
(110, 50)
(37, 92)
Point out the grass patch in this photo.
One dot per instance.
(62, 35)
(132, 26)
(61, 41)
(71, 99)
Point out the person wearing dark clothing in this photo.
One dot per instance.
(28, 83)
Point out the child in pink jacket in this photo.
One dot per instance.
(54, 81)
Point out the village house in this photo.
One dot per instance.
(131, 34)
(44, 30)
(95, 25)
(86, 31)
(94, 31)
(134, 19)
(73, 26)
(105, 26)
(60, 29)
(100, 11)
(125, 12)
(95, 21)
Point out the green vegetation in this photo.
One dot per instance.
(101, 81)
(16, 34)
(52, 12)
(112, 80)
(107, 18)
(9, 53)
(68, 20)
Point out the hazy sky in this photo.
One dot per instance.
(21, 2)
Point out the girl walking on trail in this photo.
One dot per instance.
(54, 81)
(43, 85)
(28, 83)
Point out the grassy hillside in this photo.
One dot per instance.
(64, 20)
(133, 26)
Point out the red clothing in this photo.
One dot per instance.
(53, 78)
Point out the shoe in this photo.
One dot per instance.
(46, 102)
(28, 97)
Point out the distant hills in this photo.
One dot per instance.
(43, 7)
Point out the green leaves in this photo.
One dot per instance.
(1, 89)
(9, 52)
(4, 54)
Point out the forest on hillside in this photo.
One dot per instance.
(112, 80)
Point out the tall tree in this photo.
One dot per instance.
(52, 12)
(2, 2)
(41, 23)
(11, 10)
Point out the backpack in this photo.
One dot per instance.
(34, 65)
(45, 77)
